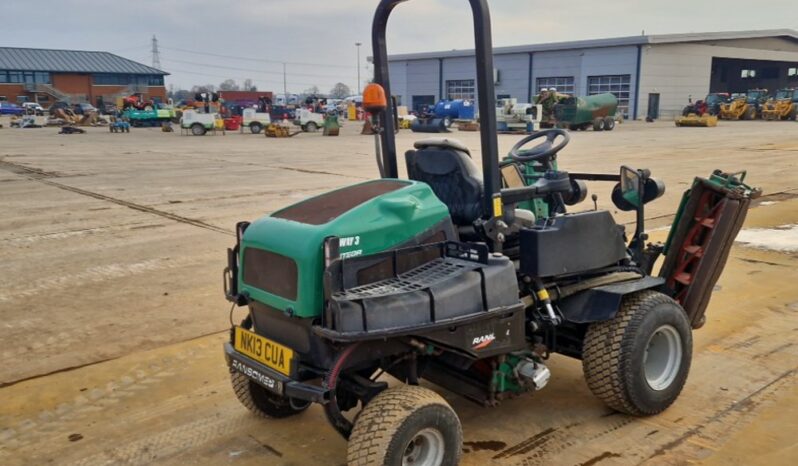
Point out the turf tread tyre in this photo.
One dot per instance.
(376, 437)
(258, 400)
(609, 347)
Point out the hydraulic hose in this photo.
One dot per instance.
(331, 409)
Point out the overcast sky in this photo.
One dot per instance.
(196, 36)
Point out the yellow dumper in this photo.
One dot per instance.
(784, 106)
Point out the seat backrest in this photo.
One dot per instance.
(451, 173)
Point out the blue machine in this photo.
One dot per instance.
(455, 109)
(439, 118)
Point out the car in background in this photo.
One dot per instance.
(110, 109)
(33, 108)
(7, 108)
(84, 108)
(335, 106)
(279, 113)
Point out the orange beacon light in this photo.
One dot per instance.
(374, 98)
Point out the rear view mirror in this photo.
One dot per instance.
(630, 186)
(627, 194)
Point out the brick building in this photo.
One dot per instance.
(47, 76)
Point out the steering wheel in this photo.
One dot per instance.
(543, 150)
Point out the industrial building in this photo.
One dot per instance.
(47, 76)
(651, 75)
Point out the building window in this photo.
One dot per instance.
(127, 79)
(563, 84)
(41, 77)
(618, 85)
(111, 79)
(792, 72)
(460, 89)
(155, 80)
(747, 74)
(3, 98)
(27, 77)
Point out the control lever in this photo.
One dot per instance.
(545, 299)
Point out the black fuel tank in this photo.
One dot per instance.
(571, 243)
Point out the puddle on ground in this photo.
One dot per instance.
(783, 238)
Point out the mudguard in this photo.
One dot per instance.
(602, 302)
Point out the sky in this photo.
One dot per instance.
(208, 41)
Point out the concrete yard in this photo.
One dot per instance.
(112, 315)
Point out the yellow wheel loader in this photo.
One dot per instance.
(784, 106)
(744, 106)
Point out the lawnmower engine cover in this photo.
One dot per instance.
(282, 256)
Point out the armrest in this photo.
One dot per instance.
(552, 182)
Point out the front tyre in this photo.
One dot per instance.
(638, 362)
(197, 129)
(263, 402)
(406, 425)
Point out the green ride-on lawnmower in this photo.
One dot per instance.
(468, 281)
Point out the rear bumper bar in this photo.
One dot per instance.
(273, 380)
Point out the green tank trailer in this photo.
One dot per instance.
(580, 113)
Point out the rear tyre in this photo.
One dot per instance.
(447, 122)
(263, 402)
(311, 127)
(609, 123)
(598, 124)
(256, 128)
(197, 129)
(638, 362)
(406, 425)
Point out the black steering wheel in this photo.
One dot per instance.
(543, 150)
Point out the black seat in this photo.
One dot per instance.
(446, 166)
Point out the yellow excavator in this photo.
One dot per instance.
(783, 106)
(744, 106)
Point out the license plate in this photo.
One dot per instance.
(263, 350)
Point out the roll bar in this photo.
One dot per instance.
(485, 84)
